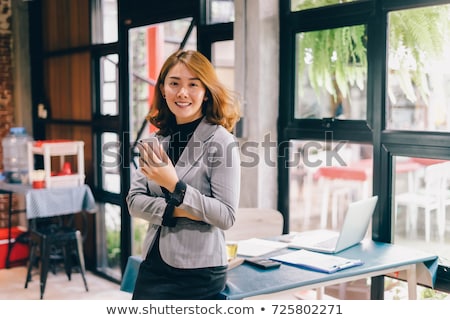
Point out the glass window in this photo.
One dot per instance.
(418, 95)
(111, 161)
(149, 46)
(108, 239)
(104, 21)
(109, 85)
(324, 177)
(109, 13)
(221, 11)
(297, 5)
(331, 80)
(223, 61)
(421, 204)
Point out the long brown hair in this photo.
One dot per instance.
(221, 106)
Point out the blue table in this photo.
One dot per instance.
(48, 202)
(379, 258)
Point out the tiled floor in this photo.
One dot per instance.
(58, 287)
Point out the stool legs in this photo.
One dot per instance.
(72, 248)
(32, 258)
(80, 258)
(45, 253)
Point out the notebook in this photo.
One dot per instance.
(317, 261)
(354, 228)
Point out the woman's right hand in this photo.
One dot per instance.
(157, 166)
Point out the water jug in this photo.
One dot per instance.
(15, 155)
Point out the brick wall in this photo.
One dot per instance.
(6, 74)
(6, 94)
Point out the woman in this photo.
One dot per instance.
(188, 187)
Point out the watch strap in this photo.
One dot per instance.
(177, 196)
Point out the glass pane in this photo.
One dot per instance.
(108, 239)
(104, 21)
(111, 160)
(109, 91)
(418, 95)
(109, 71)
(109, 107)
(110, 27)
(297, 5)
(331, 80)
(223, 60)
(325, 177)
(221, 11)
(421, 205)
(148, 48)
(109, 85)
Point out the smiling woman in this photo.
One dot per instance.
(190, 194)
(218, 104)
(184, 94)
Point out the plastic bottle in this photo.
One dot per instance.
(15, 155)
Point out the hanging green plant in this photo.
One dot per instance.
(336, 59)
(416, 37)
(323, 52)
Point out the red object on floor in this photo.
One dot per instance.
(19, 252)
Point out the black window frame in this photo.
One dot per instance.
(386, 143)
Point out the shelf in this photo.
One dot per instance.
(49, 149)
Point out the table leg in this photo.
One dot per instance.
(319, 293)
(307, 197)
(411, 276)
(325, 183)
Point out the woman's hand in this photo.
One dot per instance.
(156, 166)
(159, 170)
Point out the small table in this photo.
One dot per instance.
(48, 202)
(379, 258)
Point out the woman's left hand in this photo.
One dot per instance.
(159, 170)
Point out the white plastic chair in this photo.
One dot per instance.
(432, 196)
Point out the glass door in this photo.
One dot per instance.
(149, 46)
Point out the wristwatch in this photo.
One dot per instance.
(177, 196)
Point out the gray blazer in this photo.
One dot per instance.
(210, 166)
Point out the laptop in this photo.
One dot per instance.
(356, 222)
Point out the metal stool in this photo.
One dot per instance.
(55, 242)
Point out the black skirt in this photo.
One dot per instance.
(157, 280)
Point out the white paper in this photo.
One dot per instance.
(255, 247)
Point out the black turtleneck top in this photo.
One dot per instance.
(179, 139)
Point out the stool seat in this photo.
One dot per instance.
(51, 242)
